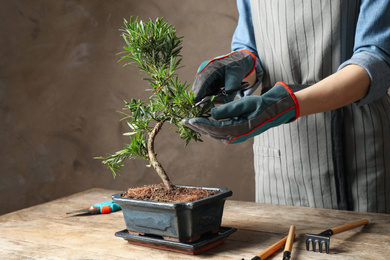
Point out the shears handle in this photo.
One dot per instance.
(106, 207)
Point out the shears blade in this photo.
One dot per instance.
(205, 100)
(222, 92)
(88, 211)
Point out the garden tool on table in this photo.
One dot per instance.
(275, 247)
(99, 208)
(289, 243)
(323, 239)
(270, 250)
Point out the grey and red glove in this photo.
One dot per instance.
(226, 72)
(249, 116)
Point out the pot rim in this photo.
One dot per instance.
(224, 193)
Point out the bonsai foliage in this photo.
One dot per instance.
(155, 49)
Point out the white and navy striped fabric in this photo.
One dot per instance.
(302, 42)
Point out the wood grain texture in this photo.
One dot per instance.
(46, 232)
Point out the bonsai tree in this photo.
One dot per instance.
(155, 49)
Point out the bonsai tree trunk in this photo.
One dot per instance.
(153, 159)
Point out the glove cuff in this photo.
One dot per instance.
(293, 97)
(254, 58)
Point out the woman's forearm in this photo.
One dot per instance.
(342, 88)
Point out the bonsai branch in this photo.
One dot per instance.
(155, 48)
(153, 158)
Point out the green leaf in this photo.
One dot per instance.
(130, 133)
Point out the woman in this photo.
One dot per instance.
(322, 123)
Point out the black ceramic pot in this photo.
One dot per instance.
(183, 221)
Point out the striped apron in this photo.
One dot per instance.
(302, 42)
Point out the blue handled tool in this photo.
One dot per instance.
(99, 208)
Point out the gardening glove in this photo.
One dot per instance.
(249, 116)
(228, 71)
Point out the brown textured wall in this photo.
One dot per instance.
(60, 85)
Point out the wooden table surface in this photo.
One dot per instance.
(46, 232)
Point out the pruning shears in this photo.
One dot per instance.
(222, 92)
(99, 208)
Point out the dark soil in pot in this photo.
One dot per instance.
(161, 193)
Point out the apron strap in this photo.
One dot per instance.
(343, 189)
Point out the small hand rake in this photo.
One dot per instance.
(324, 237)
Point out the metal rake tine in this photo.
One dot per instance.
(317, 239)
(326, 246)
(322, 244)
(308, 242)
(313, 245)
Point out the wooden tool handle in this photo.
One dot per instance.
(290, 239)
(272, 249)
(349, 226)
